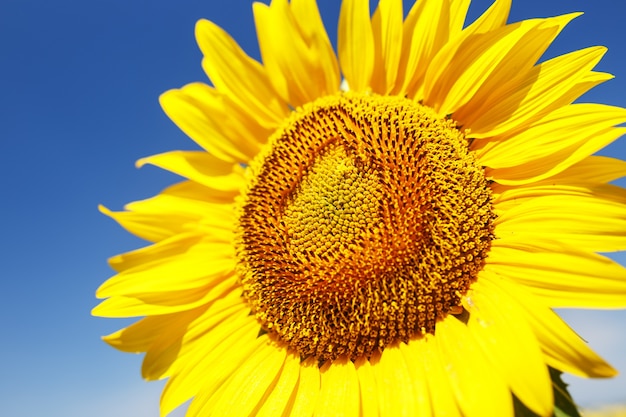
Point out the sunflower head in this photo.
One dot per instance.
(344, 225)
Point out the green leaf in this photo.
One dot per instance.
(564, 405)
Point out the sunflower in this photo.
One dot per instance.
(384, 231)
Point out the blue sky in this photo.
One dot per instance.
(80, 82)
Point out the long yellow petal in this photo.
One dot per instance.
(442, 396)
(415, 364)
(387, 29)
(259, 374)
(281, 394)
(487, 63)
(439, 77)
(139, 336)
(563, 276)
(169, 348)
(368, 387)
(208, 362)
(217, 114)
(493, 18)
(312, 28)
(219, 393)
(585, 222)
(500, 328)
(458, 13)
(200, 167)
(236, 122)
(544, 168)
(562, 347)
(202, 266)
(240, 77)
(514, 54)
(173, 246)
(151, 226)
(425, 31)
(569, 131)
(508, 197)
(585, 178)
(308, 389)
(591, 170)
(395, 384)
(203, 127)
(339, 390)
(148, 304)
(284, 53)
(355, 42)
(480, 390)
(193, 191)
(533, 94)
(297, 62)
(168, 214)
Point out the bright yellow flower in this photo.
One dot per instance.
(393, 245)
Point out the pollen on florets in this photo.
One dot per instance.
(364, 222)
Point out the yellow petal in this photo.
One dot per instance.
(586, 178)
(387, 29)
(478, 387)
(169, 203)
(367, 387)
(425, 31)
(148, 304)
(215, 388)
(561, 275)
(395, 384)
(591, 170)
(152, 227)
(297, 62)
(562, 347)
(585, 222)
(185, 214)
(533, 94)
(458, 13)
(500, 328)
(281, 394)
(236, 122)
(204, 265)
(175, 245)
(170, 347)
(355, 42)
(191, 190)
(240, 77)
(482, 64)
(419, 378)
(209, 362)
(552, 164)
(168, 214)
(441, 72)
(493, 18)
(444, 402)
(312, 28)
(339, 390)
(509, 197)
(203, 128)
(564, 131)
(259, 374)
(308, 389)
(516, 53)
(139, 336)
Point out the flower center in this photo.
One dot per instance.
(365, 221)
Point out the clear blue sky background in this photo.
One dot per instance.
(78, 105)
